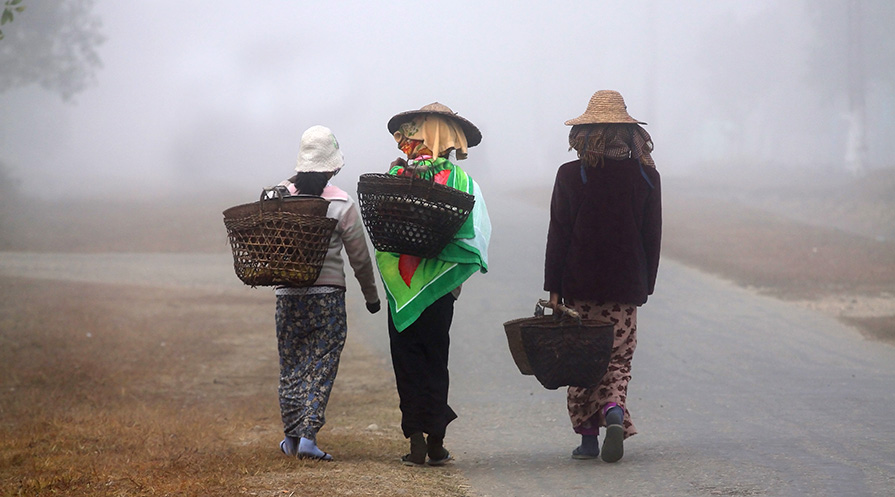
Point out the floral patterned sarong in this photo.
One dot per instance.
(586, 404)
(311, 332)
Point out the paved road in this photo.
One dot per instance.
(734, 394)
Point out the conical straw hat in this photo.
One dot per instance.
(605, 107)
(473, 135)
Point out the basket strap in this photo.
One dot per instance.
(417, 167)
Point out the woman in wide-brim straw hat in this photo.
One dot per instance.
(603, 254)
(421, 292)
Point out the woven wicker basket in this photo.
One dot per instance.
(280, 241)
(513, 330)
(408, 215)
(561, 350)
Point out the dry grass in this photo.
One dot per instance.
(782, 257)
(110, 391)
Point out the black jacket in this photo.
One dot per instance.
(604, 237)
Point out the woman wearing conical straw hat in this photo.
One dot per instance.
(603, 254)
(421, 291)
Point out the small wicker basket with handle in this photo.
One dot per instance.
(561, 349)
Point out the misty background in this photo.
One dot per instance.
(140, 98)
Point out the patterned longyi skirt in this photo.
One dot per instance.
(586, 405)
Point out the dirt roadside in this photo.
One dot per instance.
(111, 389)
(833, 253)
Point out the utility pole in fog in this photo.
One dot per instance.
(856, 144)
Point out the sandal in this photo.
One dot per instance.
(438, 455)
(288, 447)
(411, 460)
(613, 444)
(441, 461)
(417, 456)
(580, 453)
(307, 455)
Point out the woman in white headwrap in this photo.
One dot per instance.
(311, 321)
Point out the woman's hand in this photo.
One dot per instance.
(555, 300)
(373, 307)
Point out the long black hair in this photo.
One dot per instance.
(311, 183)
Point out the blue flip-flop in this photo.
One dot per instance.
(288, 447)
(307, 455)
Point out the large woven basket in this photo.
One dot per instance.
(513, 330)
(409, 215)
(562, 349)
(279, 241)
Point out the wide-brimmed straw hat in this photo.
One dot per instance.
(473, 135)
(605, 107)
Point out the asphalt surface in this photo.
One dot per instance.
(734, 394)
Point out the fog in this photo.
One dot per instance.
(197, 96)
(129, 306)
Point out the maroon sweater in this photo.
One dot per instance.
(604, 235)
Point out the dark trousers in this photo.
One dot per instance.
(420, 359)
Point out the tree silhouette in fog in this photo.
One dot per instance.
(52, 44)
(803, 80)
(853, 58)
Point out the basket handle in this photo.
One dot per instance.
(268, 194)
(411, 170)
(560, 311)
(275, 193)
